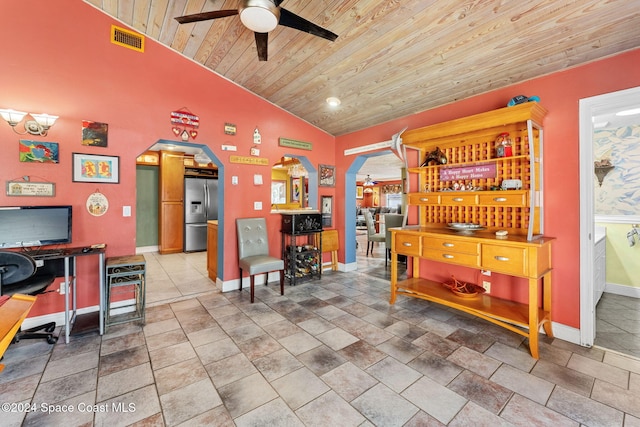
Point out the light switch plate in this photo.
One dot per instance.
(126, 211)
(257, 206)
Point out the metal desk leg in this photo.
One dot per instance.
(102, 292)
(66, 300)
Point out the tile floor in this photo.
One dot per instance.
(327, 353)
(618, 324)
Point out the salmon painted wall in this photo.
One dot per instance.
(62, 62)
(560, 94)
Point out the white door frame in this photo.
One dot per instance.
(590, 107)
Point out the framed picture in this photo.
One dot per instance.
(38, 152)
(326, 204)
(96, 168)
(278, 192)
(327, 176)
(94, 133)
(359, 192)
(296, 189)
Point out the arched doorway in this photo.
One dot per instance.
(202, 150)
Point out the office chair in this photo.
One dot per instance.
(17, 276)
(253, 252)
(372, 236)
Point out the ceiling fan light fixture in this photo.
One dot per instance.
(261, 16)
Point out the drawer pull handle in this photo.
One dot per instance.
(424, 199)
(447, 256)
(499, 199)
(501, 258)
(407, 244)
(458, 199)
(448, 245)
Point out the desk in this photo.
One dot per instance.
(68, 256)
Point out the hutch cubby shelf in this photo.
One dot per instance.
(469, 146)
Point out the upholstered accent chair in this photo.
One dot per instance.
(253, 252)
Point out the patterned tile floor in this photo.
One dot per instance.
(328, 353)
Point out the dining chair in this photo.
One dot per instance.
(372, 235)
(390, 221)
(253, 252)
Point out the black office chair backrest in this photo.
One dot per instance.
(17, 275)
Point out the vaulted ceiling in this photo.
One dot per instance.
(391, 58)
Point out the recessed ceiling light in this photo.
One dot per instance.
(628, 112)
(333, 101)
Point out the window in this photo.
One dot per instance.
(394, 200)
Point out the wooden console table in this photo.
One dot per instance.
(512, 255)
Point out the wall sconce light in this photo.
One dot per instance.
(39, 126)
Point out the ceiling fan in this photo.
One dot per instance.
(261, 17)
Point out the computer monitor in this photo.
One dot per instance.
(29, 226)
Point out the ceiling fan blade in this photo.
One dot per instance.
(204, 16)
(289, 19)
(261, 45)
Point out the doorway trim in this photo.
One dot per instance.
(350, 263)
(590, 107)
(220, 165)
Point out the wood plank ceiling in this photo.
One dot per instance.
(392, 58)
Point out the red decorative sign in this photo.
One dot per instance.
(487, 170)
(185, 118)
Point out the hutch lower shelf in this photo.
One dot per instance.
(513, 256)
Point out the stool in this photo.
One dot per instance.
(125, 275)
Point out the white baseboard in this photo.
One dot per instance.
(566, 333)
(58, 318)
(145, 249)
(234, 285)
(627, 291)
(352, 266)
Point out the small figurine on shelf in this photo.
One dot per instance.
(504, 147)
(436, 156)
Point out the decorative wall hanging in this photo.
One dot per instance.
(229, 129)
(255, 151)
(327, 175)
(97, 204)
(296, 189)
(257, 138)
(26, 188)
(185, 124)
(94, 133)
(327, 210)
(38, 152)
(249, 160)
(359, 192)
(278, 192)
(95, 168)
(292, 143)
(391, 188)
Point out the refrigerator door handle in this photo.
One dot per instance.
(206, 200)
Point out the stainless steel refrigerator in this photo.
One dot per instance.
(200, 206)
